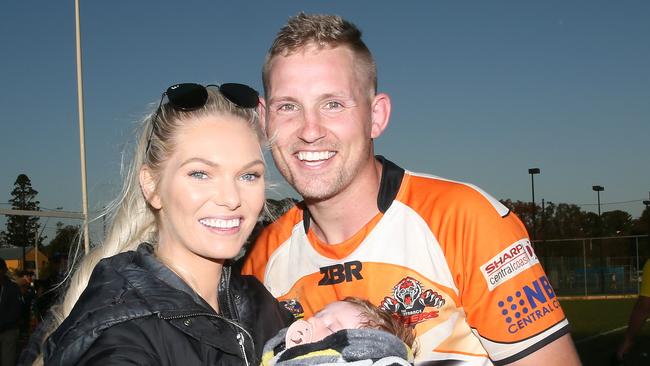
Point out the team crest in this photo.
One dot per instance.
(410, 300)
(294, 307)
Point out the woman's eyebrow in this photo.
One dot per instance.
(200, 160)
(215, 164)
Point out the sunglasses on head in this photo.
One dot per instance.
(189, 96)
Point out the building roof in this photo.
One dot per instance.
(14, 252)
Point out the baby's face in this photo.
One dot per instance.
(332, 318)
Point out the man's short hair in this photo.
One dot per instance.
(3, 265)
(323, 31)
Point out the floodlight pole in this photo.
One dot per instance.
(82, 147)
(638, 264)
(532, 172)
(598, 189)
(647, 205)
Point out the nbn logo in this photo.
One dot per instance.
(529, 304)
(542, 287)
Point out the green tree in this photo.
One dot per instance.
(591, 224)
(617, 222)
(22, 230)
(641, 225)
(548, 225)
(66, 237)
(3, 239)
(567, 221)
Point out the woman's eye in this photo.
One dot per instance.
(198, 174)
(250, 177)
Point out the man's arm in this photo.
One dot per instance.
(639, 314)
(559, 352)
(638, 317)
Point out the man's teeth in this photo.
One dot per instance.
(314, 155)
(220, 223)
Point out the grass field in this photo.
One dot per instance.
(598, 327)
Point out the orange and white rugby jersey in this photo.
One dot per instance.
(443, 256)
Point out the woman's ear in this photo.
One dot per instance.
(148, 186)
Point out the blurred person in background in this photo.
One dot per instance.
(10, 307)
(638, 317)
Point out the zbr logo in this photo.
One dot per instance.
(337, 273)
(409, 302)
(528, 305)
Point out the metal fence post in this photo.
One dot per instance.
(638, 283)
(584, 264)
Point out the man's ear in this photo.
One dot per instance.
(380, 112)
(261, 110)
(148, 186)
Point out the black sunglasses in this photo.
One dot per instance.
(189, 96)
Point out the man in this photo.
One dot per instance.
(9, 314)
(25, 282)
(443, 256)
(640, 313)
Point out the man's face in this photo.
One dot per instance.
(25, 279)
(319, 120)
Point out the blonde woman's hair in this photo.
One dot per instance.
(132, 220)
(322, 31)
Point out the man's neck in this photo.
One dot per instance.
(337, 219)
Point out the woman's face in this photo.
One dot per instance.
(210, 191)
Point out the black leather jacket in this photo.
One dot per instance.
(137, 311)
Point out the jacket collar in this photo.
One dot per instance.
(133, 285)
(148, 261)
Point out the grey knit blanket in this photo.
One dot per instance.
(361, 347)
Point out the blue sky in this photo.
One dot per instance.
(481, 91)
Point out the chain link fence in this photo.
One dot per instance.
(594, 266)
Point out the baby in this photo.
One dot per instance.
(343, 331)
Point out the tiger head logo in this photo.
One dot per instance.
(407, 291)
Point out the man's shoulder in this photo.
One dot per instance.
(269, 240)
(421, 190)
(285, 224)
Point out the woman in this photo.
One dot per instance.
(164, 293)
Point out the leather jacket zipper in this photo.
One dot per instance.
(225, 277)
(240, 340)
(240, 329)
(232, 308)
